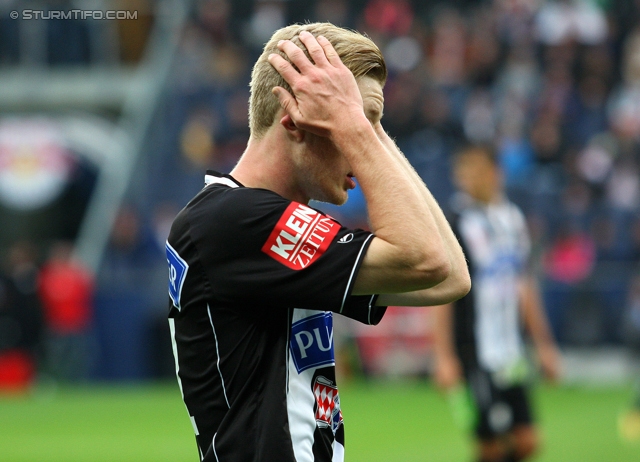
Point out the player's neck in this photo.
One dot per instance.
(266, 164)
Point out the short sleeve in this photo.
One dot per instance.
(363, 308)
(261, 250)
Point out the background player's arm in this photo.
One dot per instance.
(458, 283)
(535, 322)
(326, 101)
(448, 371)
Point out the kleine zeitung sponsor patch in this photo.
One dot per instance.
(300, 237)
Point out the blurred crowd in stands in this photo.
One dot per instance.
(554, 86)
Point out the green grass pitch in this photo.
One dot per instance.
(385, 421)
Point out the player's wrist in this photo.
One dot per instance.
(353, 134)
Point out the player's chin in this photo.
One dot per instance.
(335, 197)
(342, 200)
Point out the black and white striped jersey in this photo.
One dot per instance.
(254, 280)
(487, 320)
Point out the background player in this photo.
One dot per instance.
(479, 338)
(255, 274)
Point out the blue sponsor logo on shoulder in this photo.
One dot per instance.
(177, 274)
(312, 342)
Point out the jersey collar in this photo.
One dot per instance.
(213, 177)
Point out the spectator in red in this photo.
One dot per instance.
(66, 289)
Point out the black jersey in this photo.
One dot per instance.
(254, 279)
(487, 320)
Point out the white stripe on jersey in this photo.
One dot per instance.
(174, 347)
(224, 390)
(213, 446)
(353, 271)
(300, 403)
(370, 308)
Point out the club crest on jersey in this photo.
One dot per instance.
(177, 274)
(300, 237)
(328, 413)
(311, 342)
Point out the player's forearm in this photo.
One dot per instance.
(398, 213)
(533, 314)
(458, 283)
(447, 291)
(443, 332)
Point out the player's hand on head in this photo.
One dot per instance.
(325, 93)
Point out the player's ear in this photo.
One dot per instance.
(293, 131)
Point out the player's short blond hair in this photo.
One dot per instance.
(361, 56)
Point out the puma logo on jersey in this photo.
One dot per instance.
(177, 274)
(300, 237)
(311, 342)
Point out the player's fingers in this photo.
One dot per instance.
(295, 55)
(329, 52)
(316, 52)
(284, 68)
(287, 101)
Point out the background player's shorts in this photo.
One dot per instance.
(500, 409)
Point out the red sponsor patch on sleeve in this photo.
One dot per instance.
(300, 237)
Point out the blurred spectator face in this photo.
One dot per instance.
(598, 61)
(631, 64)
(333, 11)
(449, 49)
(593, 91)
(595, 161)
(546, 138)
(623, 186)
(392, 17)
(401, 104)
(229, 63)
(22, 256)
(126, 229)
(483, 50)
(268, 16)
(403, 53)
(477, 174)
(61, 252)
(435, 108)
(557, 86)
(576, 197)
(197, 140)
(604, 233)
(478, 122)
(213, 15)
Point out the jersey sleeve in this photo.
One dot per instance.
(261, 250)
(363, 308)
